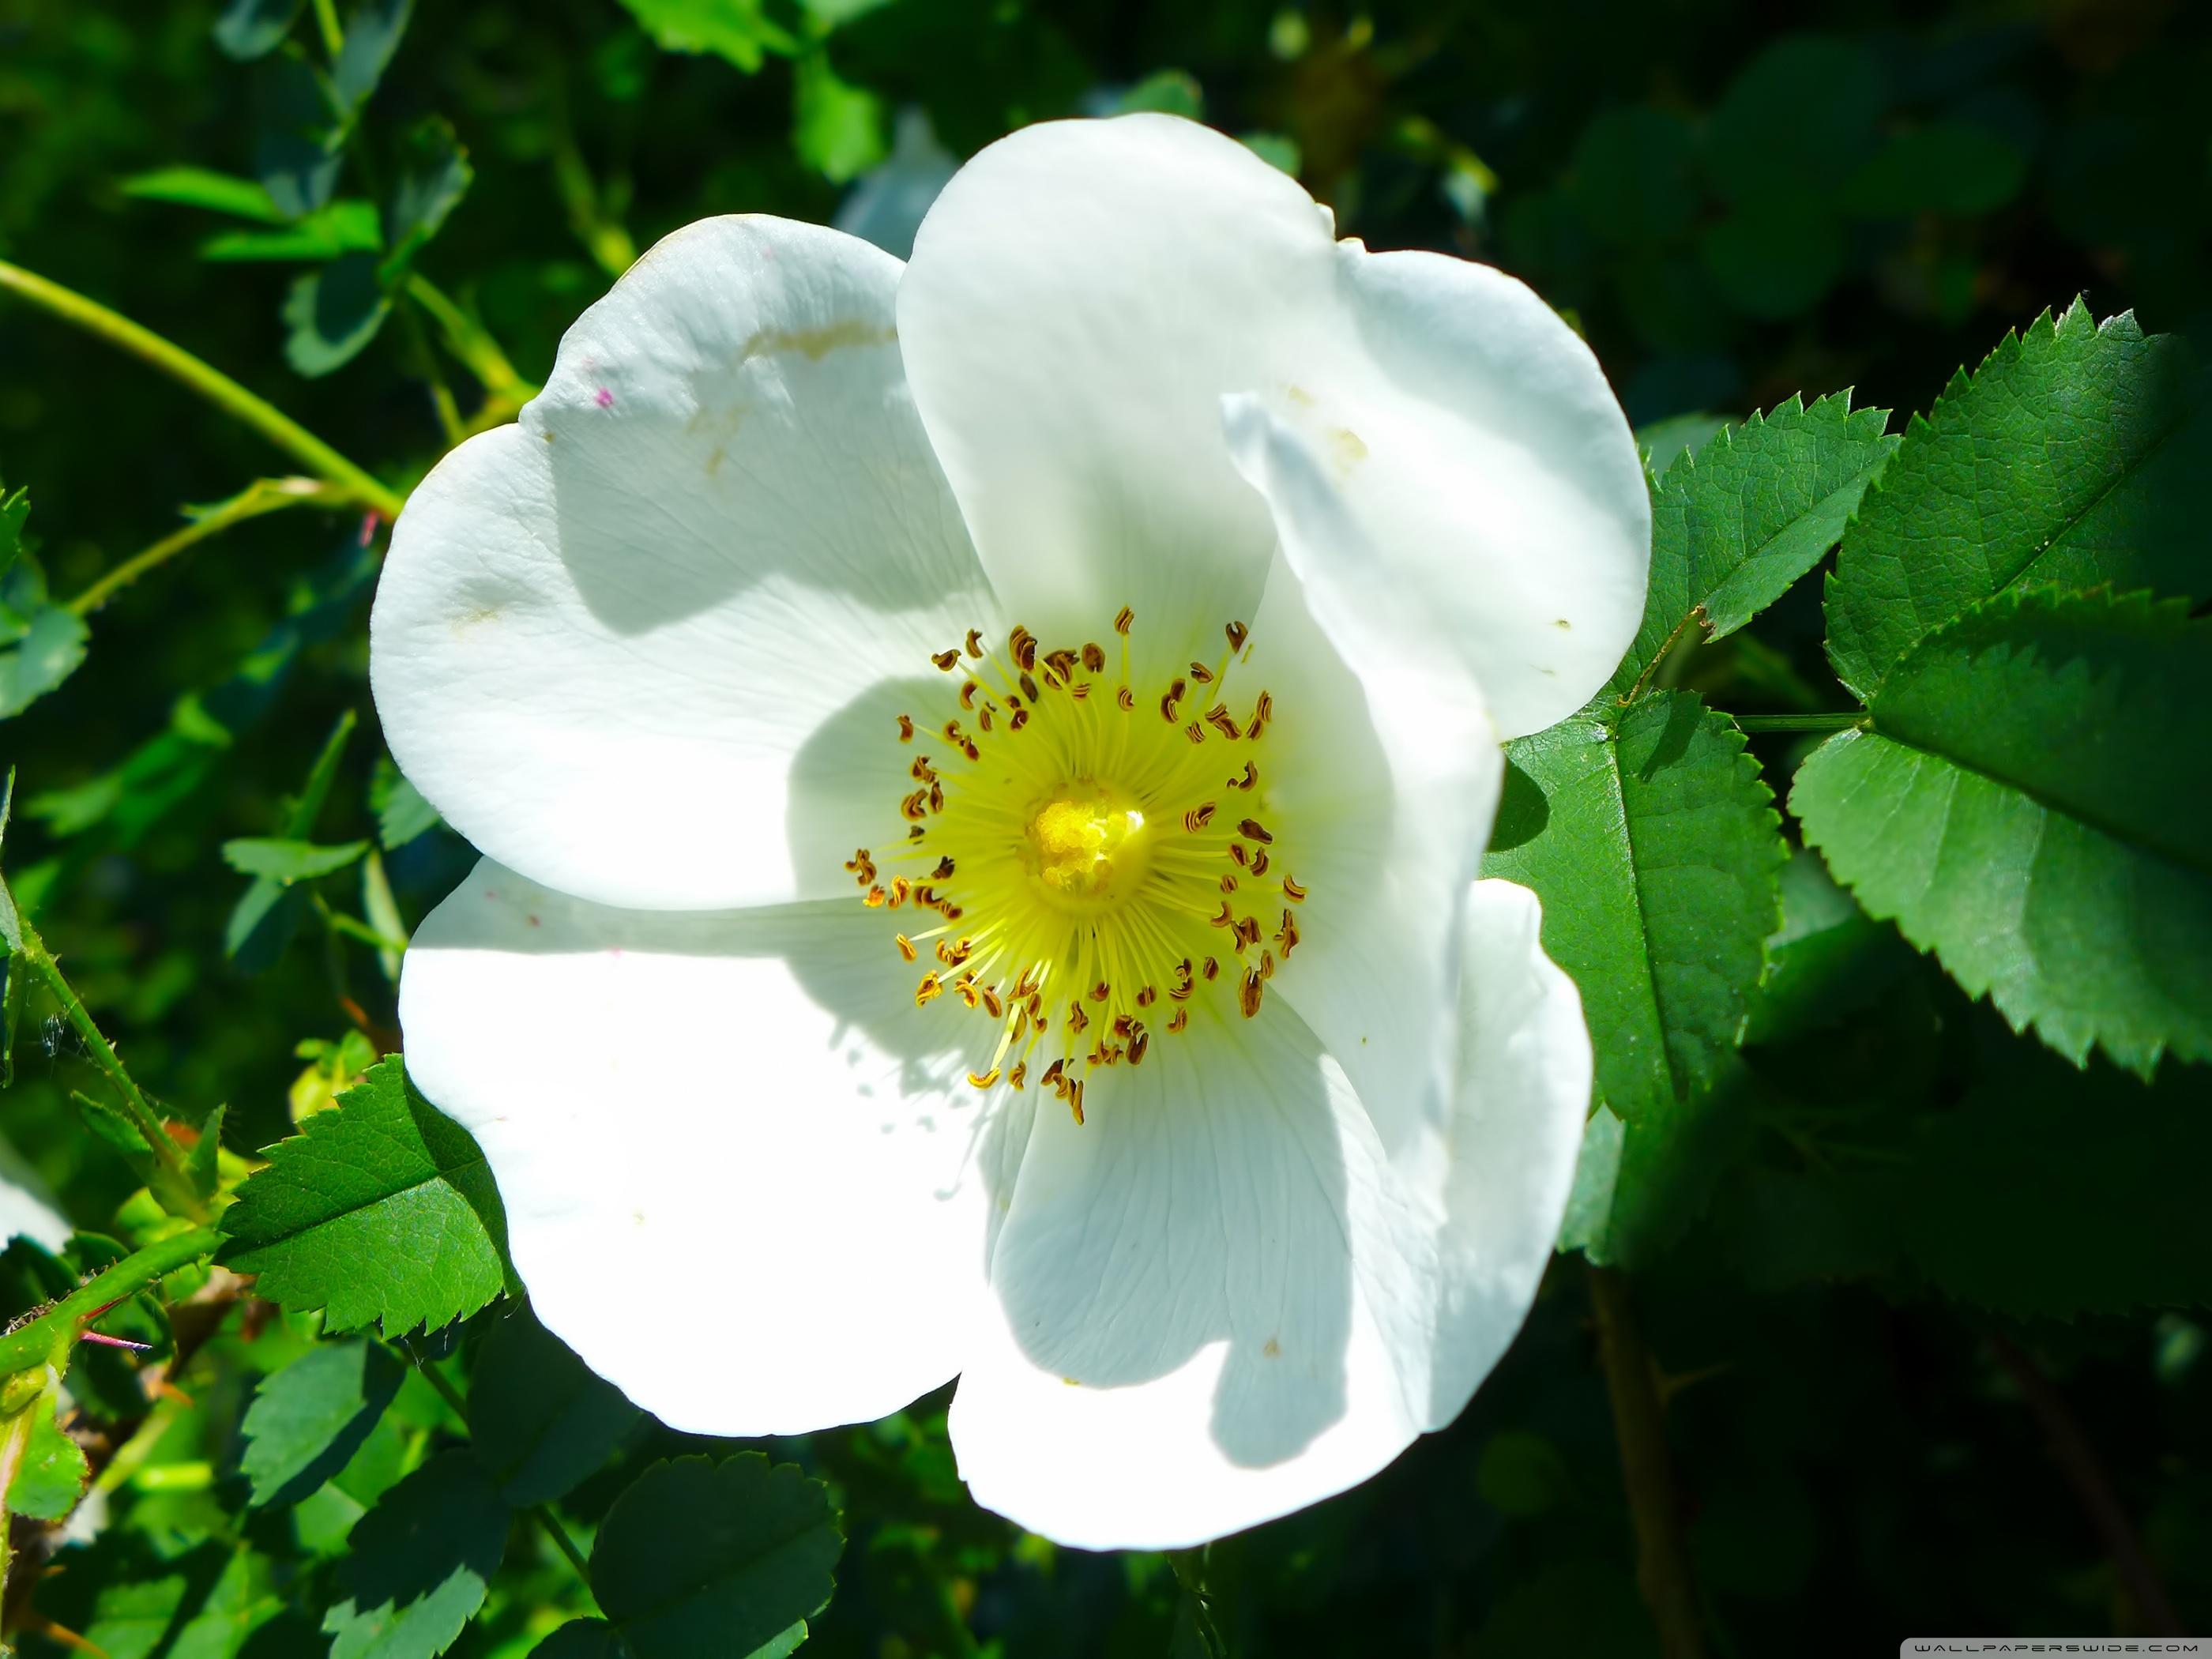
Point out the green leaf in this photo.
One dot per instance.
(1797, 122)
(382, 1209)
(1165, 92)
(1638, 1186)
(330, 314)
(434, 175)
(287, 861)
(372, 35)
(419, 1562)
(343, 227)
(1951, 167)
(51, 1478)
(2028, 804)
(1827, 959)
(1522, 1474)
(2075, 456)
(258, 929)
(697, 1559)
(581, 1639)
(1734, 525)
(299, 144)
(1654, 847)
(15, 509)
(836, 127)
(738, 30)
(200, 187)
(538, 1417)
(309, 1418)
(37, 655)
(252, 28)
(401, 812)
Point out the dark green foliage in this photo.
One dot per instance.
(537, 1418)
(307, 1420)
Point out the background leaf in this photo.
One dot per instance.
(309, 1418)
(419, 1562)
(538, 1417)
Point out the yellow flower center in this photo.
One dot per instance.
(1087, 858)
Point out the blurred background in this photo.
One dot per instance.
(1734, 202)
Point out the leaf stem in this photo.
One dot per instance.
(48, 1339)
(1662, 1564)
(210, 383)
(143, 1116)
(264, 496)
(1840, 722)
(2078, 1462)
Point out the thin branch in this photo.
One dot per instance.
(264, 496)
(1801, 722)
(1662, 1564)
(2078, 1462)
(218, 388)
(48, 1339)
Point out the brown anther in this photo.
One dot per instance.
(1021, 718)
(899, 885)
(1228, 883)
(950, 912)
(1217, 718)
(1237, 634)
(1194, 732)
(1201, 673)
(947, 660)
(1029, 688)
(1122, 618)
(1198, 818)
(1176, 689)
(953, 733)
(1075, 1102)
(906, 728)
(1260, 711)
(985, 1081)
(936, 797)
(975, 643)
(916, 834)
(1252, 829)
(915, 807)
(1287, 935)
(964, 987)
(1146, 996)
(1267, 964)
(930, 989)
(1101, 991)
(1137, 1044)
(1094, 657)
(1124, 1024)
(1061, 663)
(926, 897)
(921, 771)
(1080, 692)
(984, 719)
(1023, 646)
(1052, 1078)
(905, 945)
(1225, 918)
(944, 871)
(1259, 863)
(1180, 992)
(972, 751)
(1212, 970)
(1251, 777)
(1076, 1019)
(1247, 932)
(993, 1004)
(1248, 994)
(1179, 1019)
(859, 857)
(1123, 700)
(1020, 1074)
(968, 691)
(1237, 851)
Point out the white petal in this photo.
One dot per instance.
(628, 646)
(1500, 1175)
(1084, 293)
(1203, 1291)
(1382, 776)
(736, 1161)
(24, 1214)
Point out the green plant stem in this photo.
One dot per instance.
(210, 383)
(48, 1339)
(541, 1513)
(1801, 722)
(469, 341)
(144, 1117)
(326, 24)
(353, 927)
(266, 496)
(1663, 1563)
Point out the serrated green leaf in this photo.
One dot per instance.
(2074, 456)
(1735, 523)
(737, 30)
(383, 1209)
(343, 227)
(308, 1419)
(435, 174)
(1827, 959)
(254, 28)
(538, 1417)
(419, 1562)
(2022, 806)
(201, 187)
(1654, 847)
(51, 1478)
(128, 1599)
(1637, 1186)
(261, 923)
(47, 650)
(401, 812)
(698, 1559)
(287, 861)
(330, 315)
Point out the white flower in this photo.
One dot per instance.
(1105, 1012)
